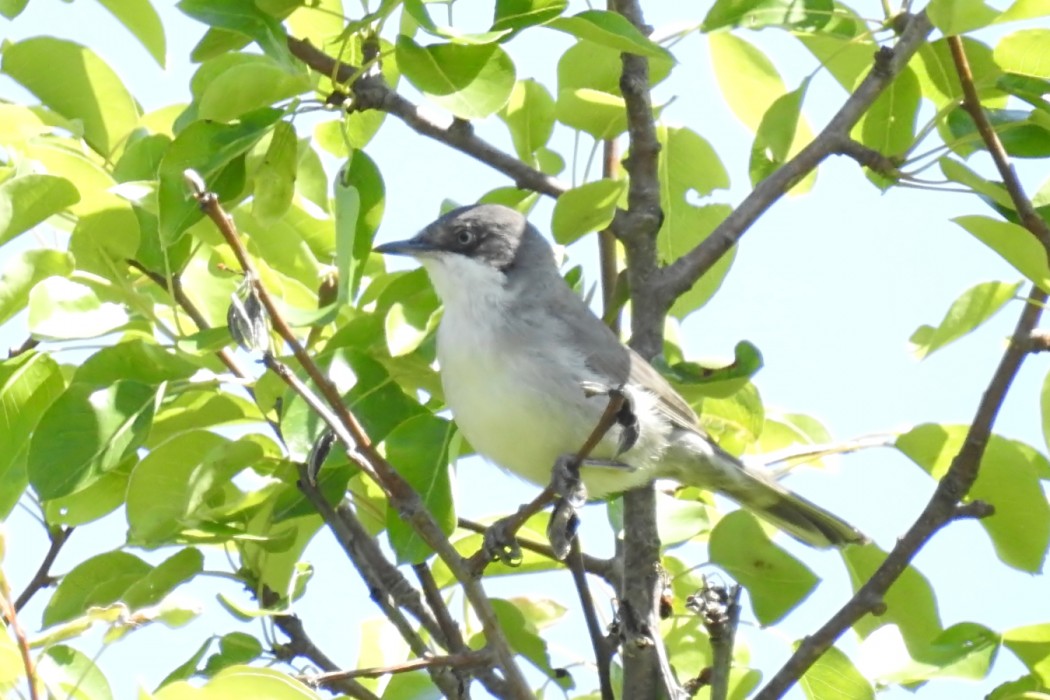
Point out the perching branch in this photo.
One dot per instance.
(42, 578)
(603, 646)
(358, 445)
(372, 92)
(684, 272)
(466, 660)
(945, 504)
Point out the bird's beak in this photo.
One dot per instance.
(412, 247)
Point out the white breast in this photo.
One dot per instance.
(520, 404)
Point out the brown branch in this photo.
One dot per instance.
(602, 644)
(684, 272)
(43, 578)
(607, 263)
(867, 157)
(607, 569)
(1039, 341)
(972, 104)
(27, 345)
(371, 92)
(644, 661)
(301, 645)
(466, 660)
(9, 613)
(349, 430)
(719, 611)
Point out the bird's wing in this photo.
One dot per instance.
(609, 358)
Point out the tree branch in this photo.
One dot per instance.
(358, 445)
(678, 277)
(603, 647)
(466, 660)
(372, 92)
(944, 506)
(42, 578)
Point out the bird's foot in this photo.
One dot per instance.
(572, 495)
(500, 544)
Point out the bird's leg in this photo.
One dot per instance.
(499, 542)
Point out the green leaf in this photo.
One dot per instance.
(1014, 243)
(418, 450)
(1021, 132)
(808, 15)
(1024, 9)
(346, 212)
(679, 520)
(529, 115)
(101, 498)
(889, 124)
(1024, 53)
(717, 381)
(73, 81)
(136, 359)
(164, 578)
(975, 306)
(1031, 644)
(1044, 404)
(241, 83)
(993, 192)
(275, 178)
(747, 78)
(518, 14)
(11, 9)
(472, 82)
(68, 673)
(587, 64)
(29, 383)
(960, 16)
(242, 682)
(964, 650)
(87, 432)
(98, 581)
(171, 488)
(522, 631)
(688, 163)
(609, 29)
(143, 22)
(589, 207)
(844, 47)
(734, 422)
(27, 200)
(781, 133)
(910, 603)
(833, 676)
(685, 226)
(206, 147)
(597, 113)
(776, 581)
(61, 309)
(24, 271)
(1008, 479)
(243, 17)
(936, 72)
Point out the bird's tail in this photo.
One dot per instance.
(758, 492)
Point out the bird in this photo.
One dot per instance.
(519, 355)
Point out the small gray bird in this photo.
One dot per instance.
(518, 349)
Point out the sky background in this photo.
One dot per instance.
(829, 286)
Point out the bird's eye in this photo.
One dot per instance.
(465, 237)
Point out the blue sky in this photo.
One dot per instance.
(829, 286)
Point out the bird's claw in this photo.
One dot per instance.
(501, 545)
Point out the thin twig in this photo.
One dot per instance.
(300, 645)
(607, 263)
(684, 272)
(27, 345)
(466, 660)
(10, 614)
(603, 649)
(606, 569)
(972, 104)
(349, 430)
(371, 92)
(42, 578)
